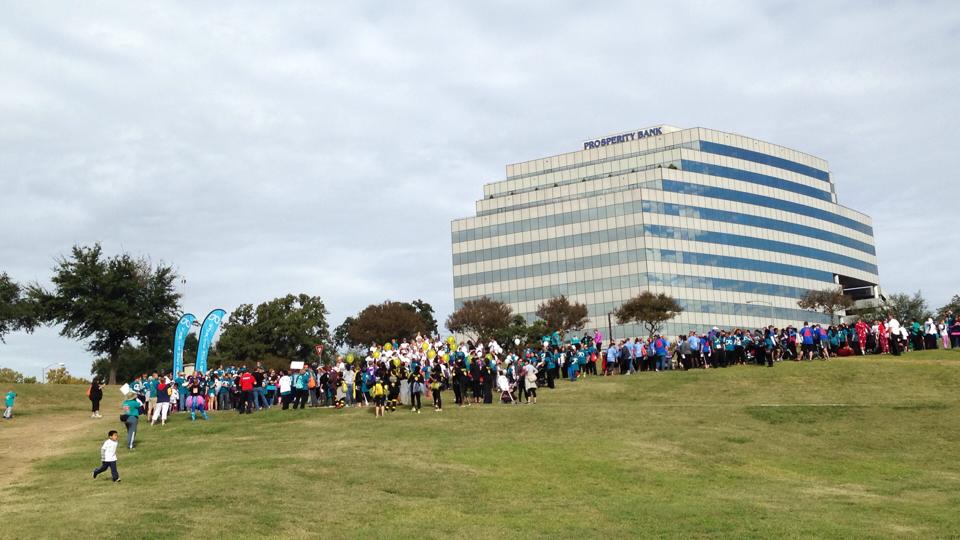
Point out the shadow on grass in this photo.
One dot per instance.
(800, 414)
(926, 406)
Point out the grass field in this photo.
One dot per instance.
(863, 447)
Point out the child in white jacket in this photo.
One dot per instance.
(108, 456)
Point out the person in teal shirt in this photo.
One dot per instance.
(181, 392)
(8, 412)
(137, 386)
(549, 360)
(150, 392)
(223, 396)
(131, 416)
(555, 338)
(573, 365)
(212, 394)
(301, 383)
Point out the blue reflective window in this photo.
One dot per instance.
(608, 259)
(690, 211)
(760, 200)
(757, 243)
(755, 178)
(765, 159)
(578, 240)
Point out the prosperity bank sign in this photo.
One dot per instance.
(624, 137)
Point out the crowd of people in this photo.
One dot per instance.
(722, 348)
(404, 373)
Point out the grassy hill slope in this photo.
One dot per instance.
(855, 447)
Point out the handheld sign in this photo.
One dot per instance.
(296, 365)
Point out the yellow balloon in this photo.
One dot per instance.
(426, 346)
(432, 354)
(376, 354)
(388, 346)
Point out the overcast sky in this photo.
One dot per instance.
(273, 148)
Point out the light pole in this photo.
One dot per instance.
(43, 376)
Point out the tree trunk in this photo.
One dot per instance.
(114, 362)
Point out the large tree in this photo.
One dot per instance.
(60, 375)
(907, 308)
(425, 312)
(288, 327)
(109, 301)
(951, 308)
(341, 334)
(8, 375)
(560, 314)
(379, 323)
(480, 318)
(829, 301)
(16, 312)
(530, 335)
(650, 310)
(239, 337)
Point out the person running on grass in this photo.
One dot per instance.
(108, 456)
(131, 417)
(8, 412)
(162, 408)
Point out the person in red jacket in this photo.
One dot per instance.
(247, 403)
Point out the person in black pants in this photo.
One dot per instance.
(96, 394)
(460, 384)
(547, 358)
(476, 383)
(486, 374)
(416, 388)
(436, 387)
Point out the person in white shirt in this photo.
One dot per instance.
(506, 392)
(285, 394)
(932, 333)
(530, 382)
(350, 378)
(108, 456)
(893, 327)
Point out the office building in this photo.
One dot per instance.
(736, 229)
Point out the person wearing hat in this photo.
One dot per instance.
(130, 417)
(162, 409)
(8, 411)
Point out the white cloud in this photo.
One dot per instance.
(329, 146)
